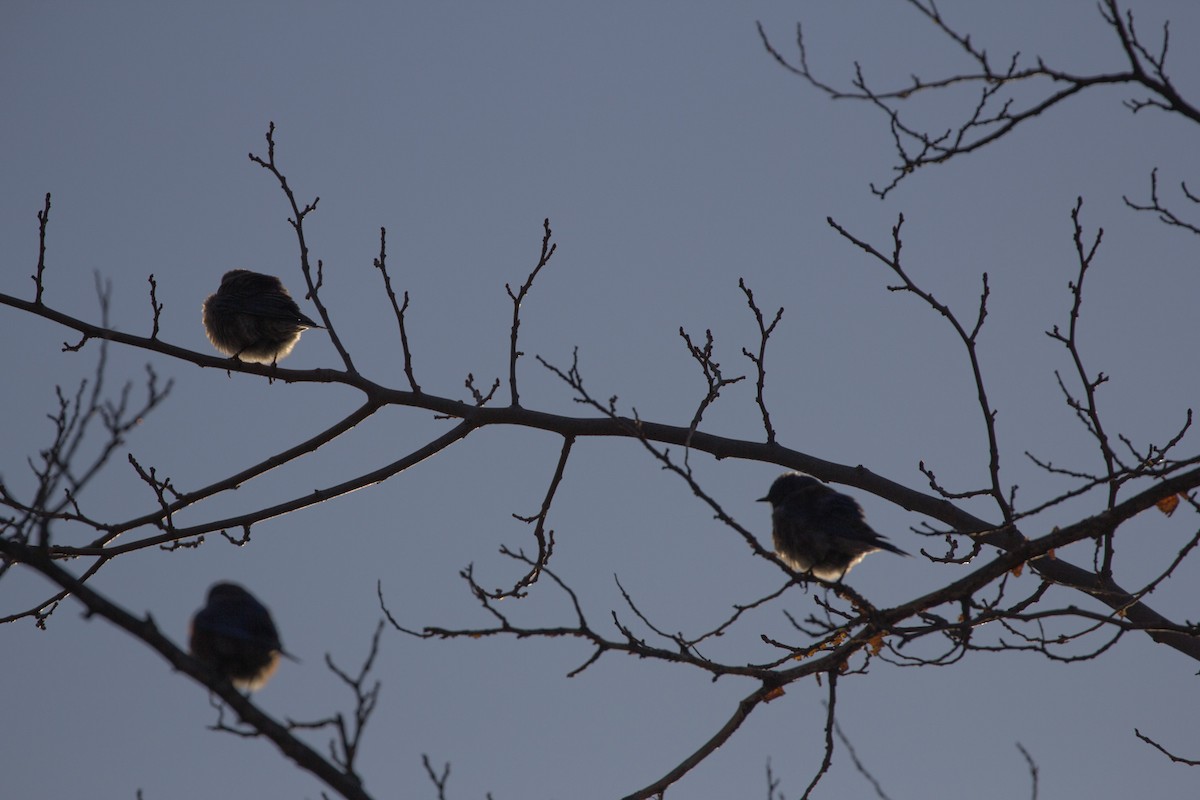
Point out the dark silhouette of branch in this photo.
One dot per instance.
(743, 710)
(968, 339)
(159, 519)
(297, 223)
(481, 399)
(344, 749)
(1086, 410)
(59, 469)
(1177, 759)
(772, 783)
(545, 538)
(1033, 770)
(1165, 214)
(43, 218)
(439, 781)
(626, 641)
(858, 764)
(830, 719)
(548, 250)
(380, 263)
(1006, 97)
(759, 359)
(713, 377)
(155, 306)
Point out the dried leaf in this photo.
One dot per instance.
(875, 643)
(1168, 504)
(1017, 570)
(771, 695)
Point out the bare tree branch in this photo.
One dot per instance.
(548, 250)
(1177, 759)
(380, 264)
(1006, 97)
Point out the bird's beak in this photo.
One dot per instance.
(761, 500)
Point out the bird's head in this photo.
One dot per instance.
(244, 282)
(787, 485)
(225, 591)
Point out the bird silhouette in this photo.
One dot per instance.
(253, 318)
(234, 635)
(818, 530)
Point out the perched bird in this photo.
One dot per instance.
(234, 635)
(252, 317)
(819, 530)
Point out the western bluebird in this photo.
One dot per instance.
(818, 530)
(234, 635)
(252, 317)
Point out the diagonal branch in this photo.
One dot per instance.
(297, 223)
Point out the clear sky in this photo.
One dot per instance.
(673, 156)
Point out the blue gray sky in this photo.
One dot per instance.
(673, 157)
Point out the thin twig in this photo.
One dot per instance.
(380, 263)
(548, 250)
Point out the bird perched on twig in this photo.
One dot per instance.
(818, 530)
(253, 318)
(234, 635)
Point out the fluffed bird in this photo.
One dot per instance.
(818, 530)
(234, 635)
(253, 318)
